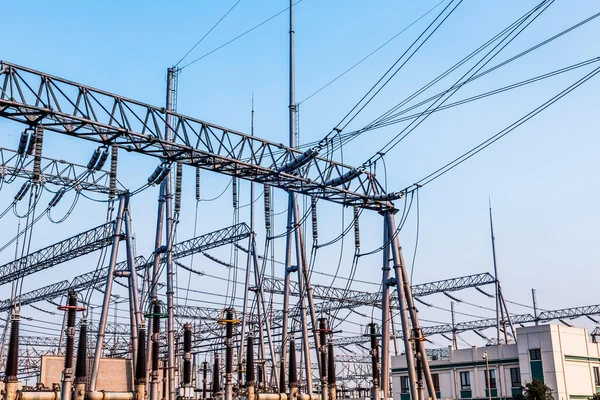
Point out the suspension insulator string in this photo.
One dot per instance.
(234, 188)
(313, 207)
(178, 181)
(197, 183)
(267, 190)
(356, 228)
(113, 171)
(37, 161)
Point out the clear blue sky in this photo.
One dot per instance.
(542, 178)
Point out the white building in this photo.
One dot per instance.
(562, 357)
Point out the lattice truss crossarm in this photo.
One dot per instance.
(182, 249)
(36, 98)
(339, 298)
(68, 249)
(57, 172)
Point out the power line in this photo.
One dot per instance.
(207, 33)
(239, 36)
(483, 145)
(373, 52)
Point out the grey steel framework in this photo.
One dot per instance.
(68, 249)
(38, 99)
(56, 172)
(182, 249)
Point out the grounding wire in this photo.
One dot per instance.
(459, 63)
(474, 70)
(483, 145)
(373, 52)
(207, 33)
(238, 37)
(344, 120)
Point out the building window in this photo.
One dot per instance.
(515, 378)
(535, 354)
(492, 378)
(465, 380)
(404, 384)
(436, 382)
(597, 375)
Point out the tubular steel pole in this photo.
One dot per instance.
(134, 297)
(496, 283)
(385, 315)
(169, 251)
(263, 307)
(107, 292)
(156, 268)
(248, 260)
(291, 198)
(405, 295)
(286, 294)
(410, 359)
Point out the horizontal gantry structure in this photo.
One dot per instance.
(38, 99)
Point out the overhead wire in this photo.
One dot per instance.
(483, 145)
(238, 37)
(207, 33)
(505, 41)
(372, 53)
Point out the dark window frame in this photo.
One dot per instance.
(404, 384)
(597, 375)
(492, 378)
(436, 382)
(465, 380)
(535, 354)
(515, 373)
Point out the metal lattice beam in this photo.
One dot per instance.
(35, 98)
(567, 313)
(68, 249)
(182, 249)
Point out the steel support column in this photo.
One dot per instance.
(107, 292)
(405, 297)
